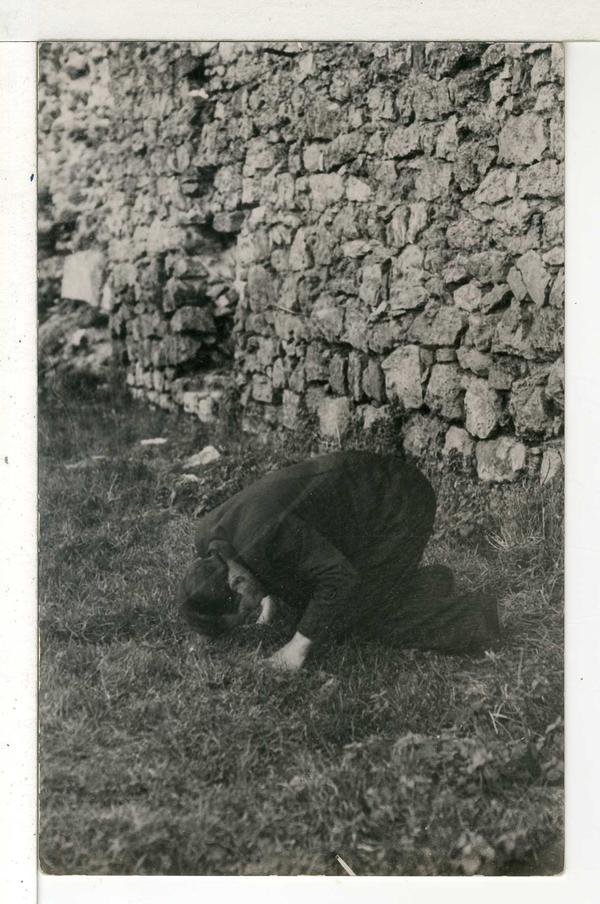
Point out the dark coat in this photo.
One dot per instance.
(322, 533)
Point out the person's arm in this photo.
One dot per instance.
(332, 579)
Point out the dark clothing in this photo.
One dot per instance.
(339, 537)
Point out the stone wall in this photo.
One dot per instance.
(344, 229)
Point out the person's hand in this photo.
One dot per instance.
(291, 657)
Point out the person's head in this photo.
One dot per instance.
(217, 594)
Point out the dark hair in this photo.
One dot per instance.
(203, 595)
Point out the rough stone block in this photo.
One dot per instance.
(289, 326)
(546, 335)
(458, 441)
(552, 465)
(511, 335)
(327, 318)
(468, 297)
(326, 189)
(528, 408)
(316, 363)
(488, 266)
(373, 381)
(422, 435)
(337, 374)
(445, 391)
(178, 349)
(83, 273)
(482, 409)
(496, 297)
(522, 139)
(442, 326)
(292, 409)
(403, 381)
(500, 460)
(371, 283)
(334, 416)
(372, 416)
(555, 385)
(262, 388)
(433, 180)
(517, 284)
(503, 373)
(260, 288)
(474, 360)
(543, 180)
(403, 142)
(355, 371)
(193, 319)
(407, 295)
(357, 190)
(228, 221)
(498, 185)
(535, 276)
(300, 256)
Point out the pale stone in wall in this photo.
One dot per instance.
(445, 391)
(482, 408)
(334, 416)
(528, 408)
(83, 274)
(522, 139)
(402, 371)
(458, 441)
(500, 460)
(535, 276)
(439, 327)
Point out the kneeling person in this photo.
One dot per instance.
(339, 539)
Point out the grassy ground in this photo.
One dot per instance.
(161, 753)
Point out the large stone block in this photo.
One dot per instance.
(193, 319)
(357, 190)
(327, 318)
(441, 326)
(498, 185)
(482, 409)
(292, 409)
(83, 274)
(316, 363)
(334, 416)
(300, 256)
(326, 189)
(422, 435)
(178, 349)
(262, 388)
(474, 360)
(500, 460)
(543, 180)
(546, 336)
(433, 180)
(403, 142)
(445, 391)
(371, 283)
(468, 297)
(403, 376)
(431, 99)
(535, 276)
(260, 288)
(528, 408)
(458, 441)
(373, 381)
(407, 295)
(337, 374)
(522, 139)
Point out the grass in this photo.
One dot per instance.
(161, 753)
